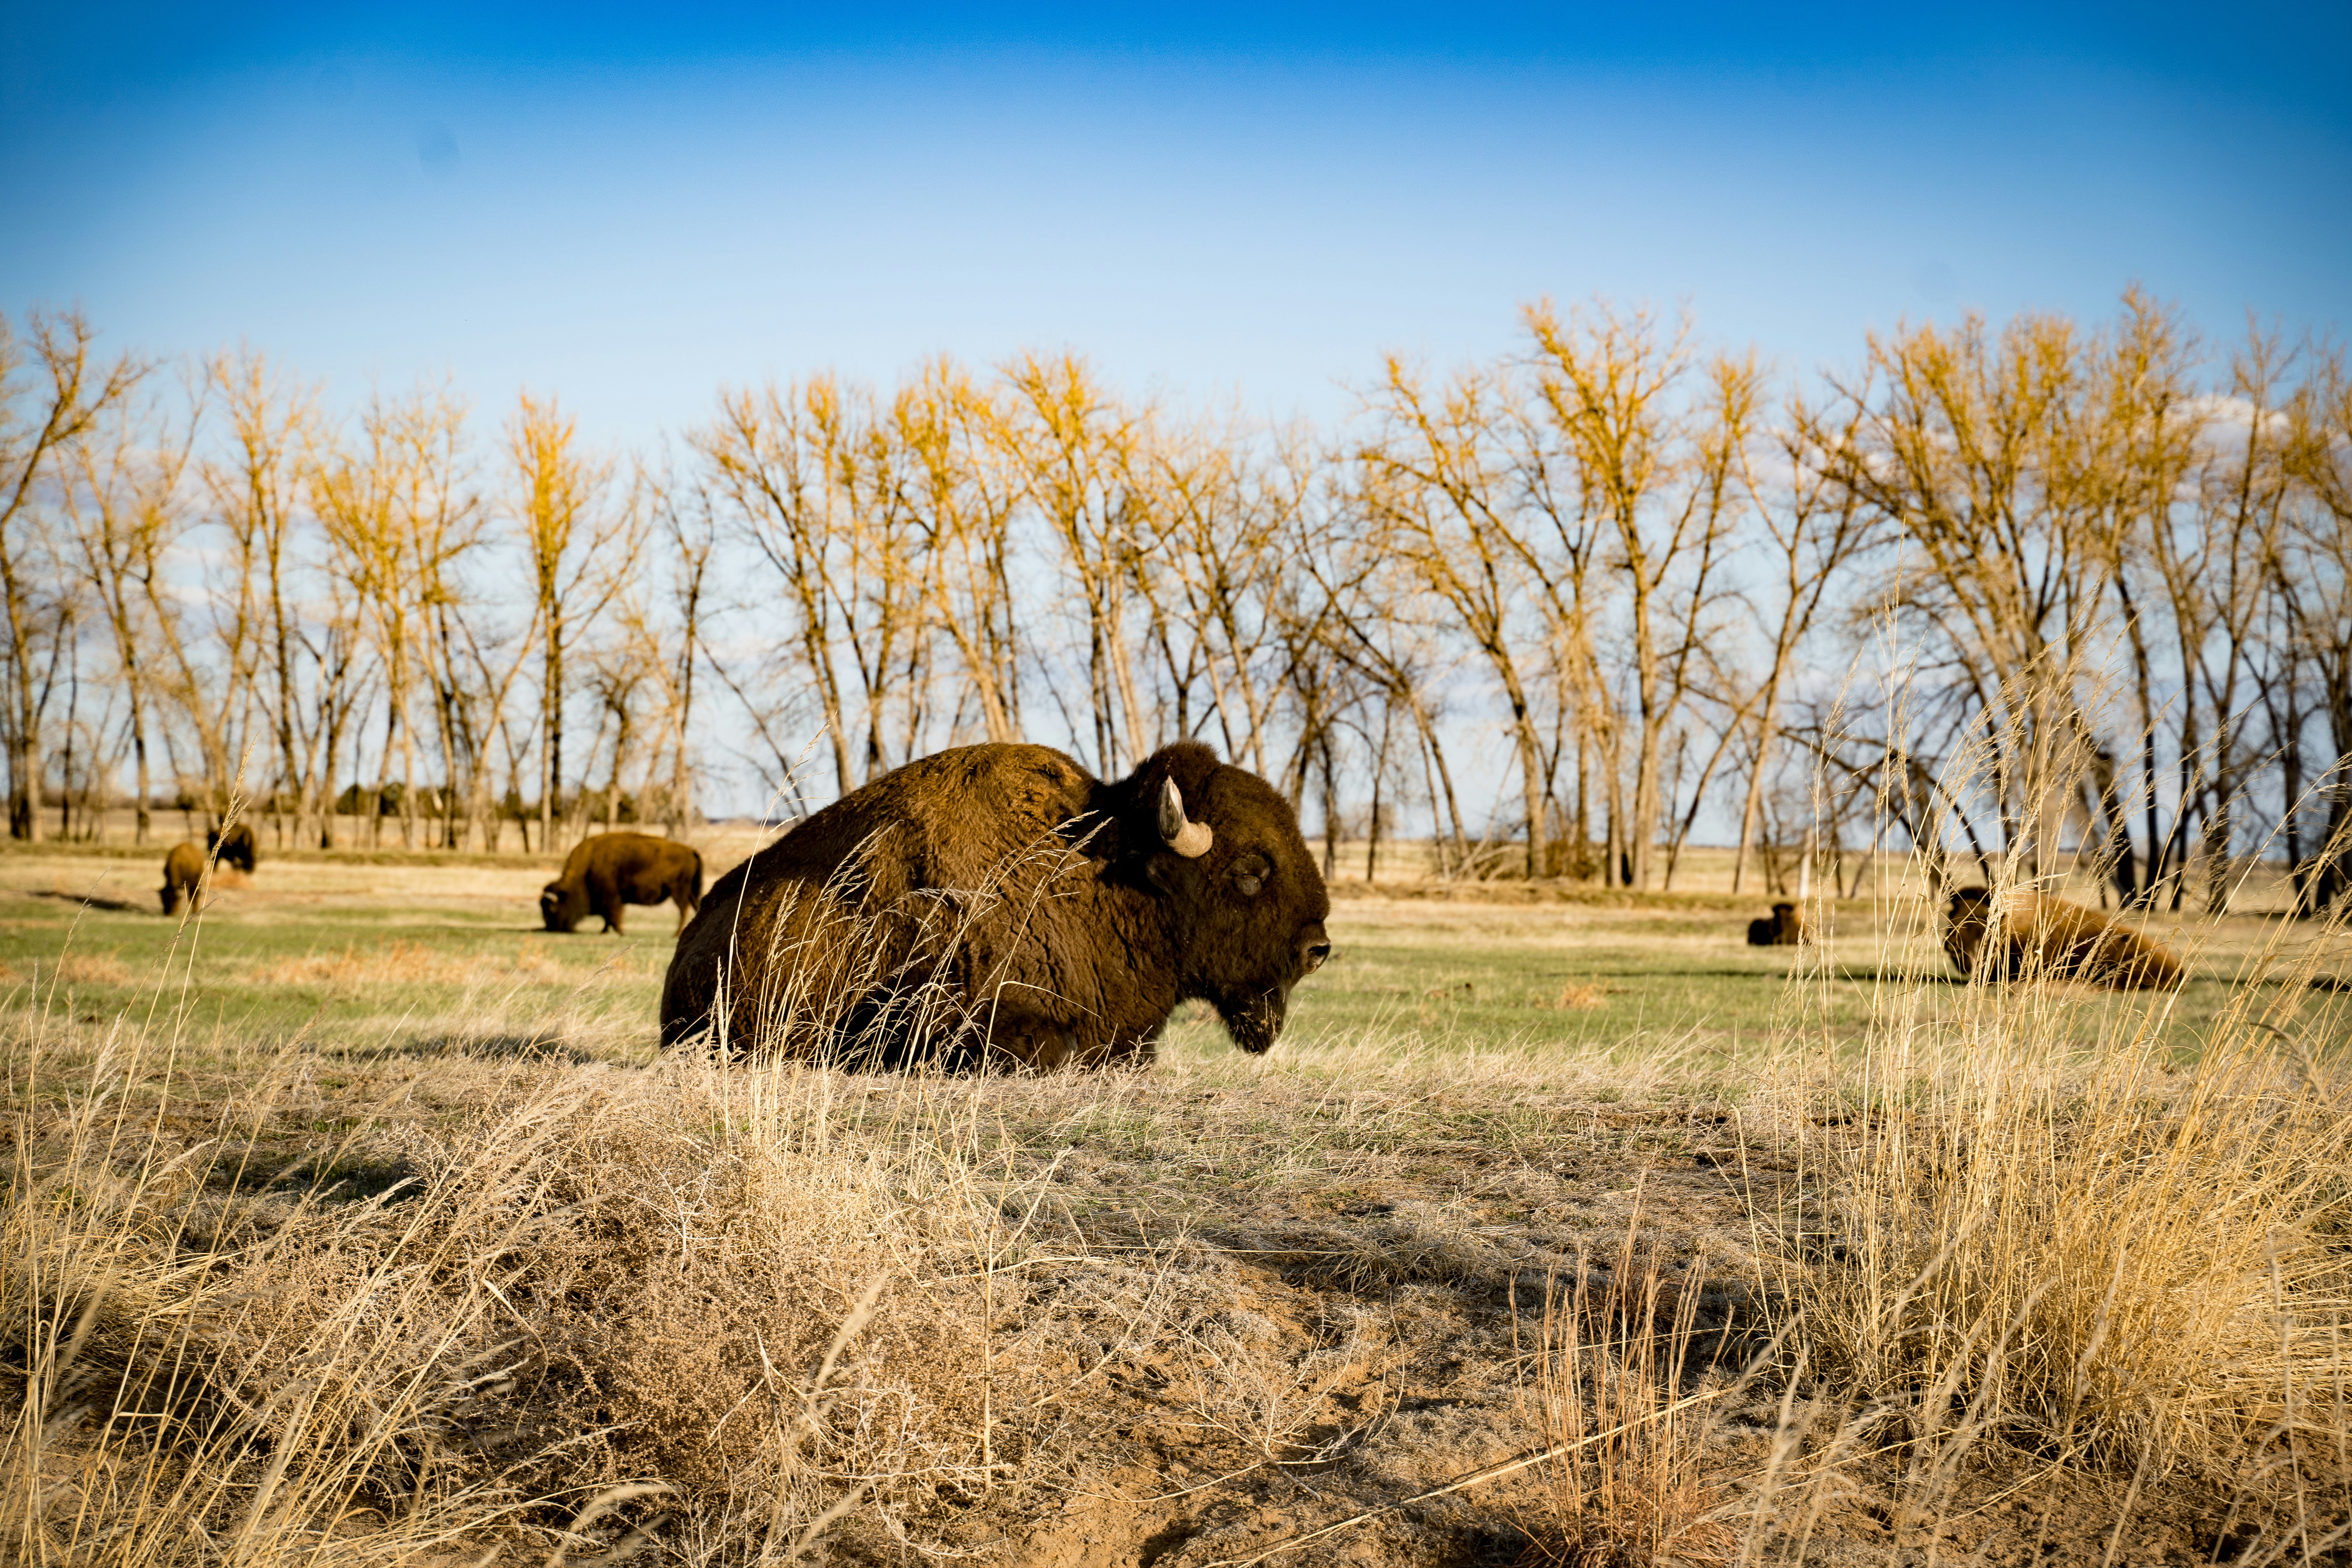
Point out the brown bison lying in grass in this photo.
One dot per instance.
(998, 905)
(605, 873)
(183, 873)
(1784, 928)
(2050, 936)
(234, 845)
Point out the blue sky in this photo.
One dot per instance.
(1214, 203)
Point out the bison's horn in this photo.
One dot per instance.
(1190, 839)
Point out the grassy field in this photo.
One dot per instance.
(361, 1221)
(331, 944)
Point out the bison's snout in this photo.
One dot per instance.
(1257, 1024)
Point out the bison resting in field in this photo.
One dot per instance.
(612, 869)
(183, 872)
(234, 845)
(1784, 928)
(997, 906)
(2051, 936)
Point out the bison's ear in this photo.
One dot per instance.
(1188, 839)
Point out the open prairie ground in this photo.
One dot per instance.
(360, 1222)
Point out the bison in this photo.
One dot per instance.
(996, 906)
(183, 874)
(1785, 928)
(2053, 937)
(613, 869)
(234, 845)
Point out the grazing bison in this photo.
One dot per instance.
(2053, 937)
(997, 906)
(1786, 927)
(612, 869)
(234, 845)
(183, 873)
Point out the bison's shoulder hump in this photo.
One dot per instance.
(1032, 788)
(1044, 791)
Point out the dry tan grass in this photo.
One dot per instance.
(1631, 1483)
(526, 1303)
(400, 960)
(92, 969)
(2017, 1253)
(678, 1283)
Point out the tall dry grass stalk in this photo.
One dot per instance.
(1631, 1484)
(2028, 1230)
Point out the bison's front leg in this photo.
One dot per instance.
(604, 896)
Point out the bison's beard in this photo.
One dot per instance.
(1256, 1022)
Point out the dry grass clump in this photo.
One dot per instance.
(1421, 1242)
(1628, 1484)
(191, 1372)
(672, 1294)
(2084, 1256)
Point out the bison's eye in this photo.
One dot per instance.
(1250, 873)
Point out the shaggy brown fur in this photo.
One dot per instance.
(997, 906)
(183, 872)
(2054, 937)
(1784, 928)
(234, 845)
(603, 874)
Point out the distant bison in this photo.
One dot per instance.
(234, 845)
(183, 874)
(997, 906)
(613, 869)
(1785, 927)
(2053, 937)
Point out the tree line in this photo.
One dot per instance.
(2031, 590)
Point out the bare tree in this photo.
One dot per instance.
(2241, 491)
(49, 392)
(1982, 453)
(690, 533)
(2314, 581)
(581, 548)
(396, 515)
(256, 494)
(1661, 476)
(1078, 452)
(1815, 527)
(121, 497)
(620, 669)
(202, 663)
(2154, 424)
(1227, 515)
(1437, 481)
(884, 579)
(768, 465)
(965, 494)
